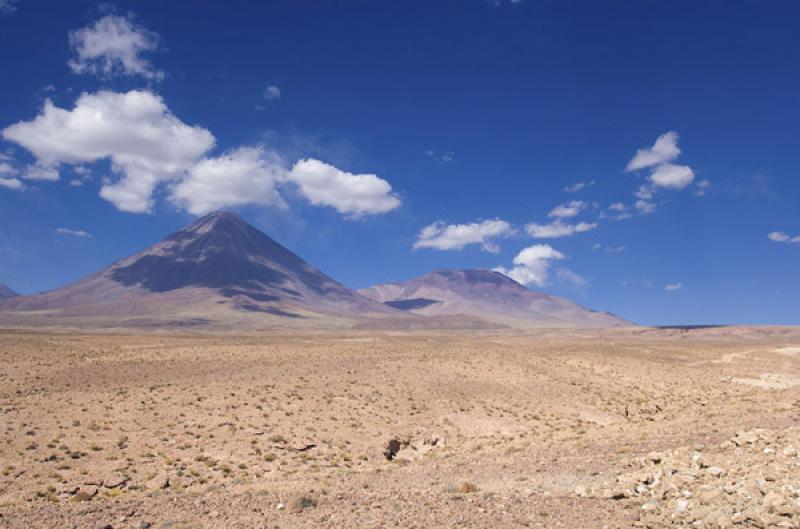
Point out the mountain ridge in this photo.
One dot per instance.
(487, 294)
(6, 292)
(218, 260)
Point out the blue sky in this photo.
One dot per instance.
(381, 140)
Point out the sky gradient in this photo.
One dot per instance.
(636, 157)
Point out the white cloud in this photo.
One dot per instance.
(148, 146)
(41, 172)
(75, 233)
(577, 186)
(271, 93)
(144, 141)
(672, 176)
(607, 248)
(645, 207)
(616, 211)
(673, 286)
(532, 264)
(11, 183)
(244, 176)
(779, 236)
(442, 157)
(556, 229)
(568, 210)
(665, 149)
(8, 6)
(645, 192)
(441, 236)
(351, 194)
(6, 168)
(568, 276)
(113, 46)
(701, 188)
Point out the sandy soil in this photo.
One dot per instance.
(372, 430)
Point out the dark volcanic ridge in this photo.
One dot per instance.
(488, 295)
(6, 292)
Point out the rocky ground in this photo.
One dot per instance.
(574, 429)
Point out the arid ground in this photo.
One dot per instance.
(574, 429)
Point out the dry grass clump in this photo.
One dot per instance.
(300, 503)
(467, 488)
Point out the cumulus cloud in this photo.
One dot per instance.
(354, 195)
(664, 150)
(663, 173)
(673, 286)
(75, 233)
(148, 146)
(144, 141)
(113, 46)
(672, 176)
(779, 236)
(556, 229)
(568, 210)
(532, 264)
(247, 175)
(441, 236)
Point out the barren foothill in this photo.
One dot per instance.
(548, 428)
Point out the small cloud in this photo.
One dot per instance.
(645, 207)
(701, 188)
(664, 173)
(557, 229)
(441, 236)
(532, 264)
(673, 286)
(672, 176)
(41, 172)
(568, 210)
(441, 157)
(665, 149)
(114, 46)
(568, 276)
(353, 195)
(607, 248)
(271, 93)
(577, 186)
(779, 236)
(616, 211)
(11, 183)
(8, 6)
(74, 233)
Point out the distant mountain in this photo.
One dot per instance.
(6, 292)
(489, 295)
(217, 269)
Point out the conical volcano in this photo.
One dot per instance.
(214, 269)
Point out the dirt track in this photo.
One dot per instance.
(490, 430)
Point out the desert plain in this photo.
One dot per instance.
(615, 428)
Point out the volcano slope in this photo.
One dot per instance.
(218, 272)
(586, 429)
